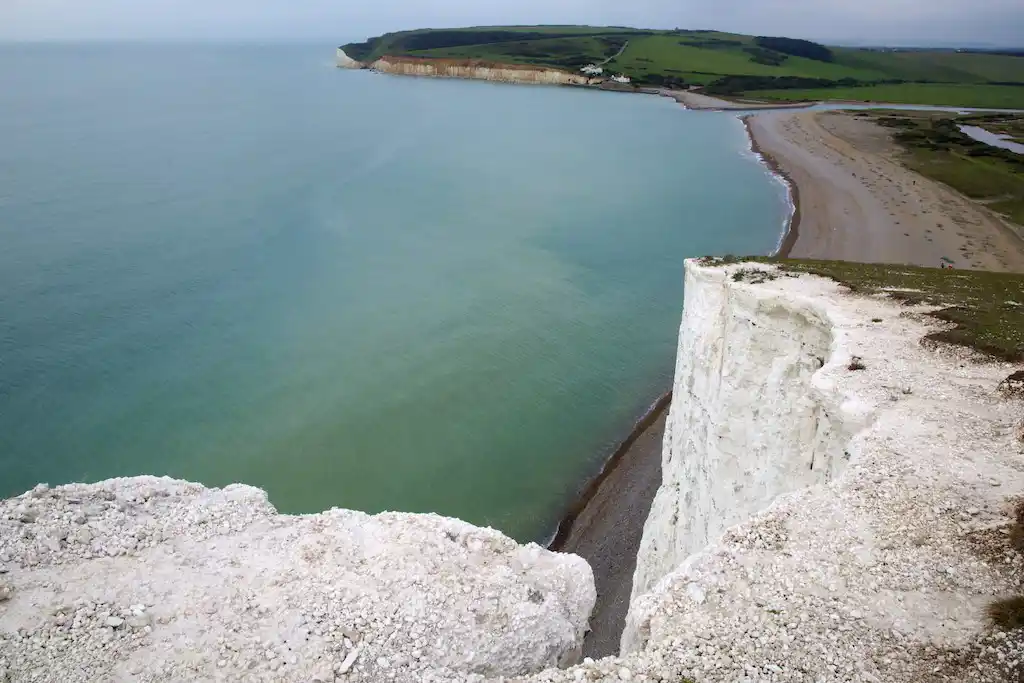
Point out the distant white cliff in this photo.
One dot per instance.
(470, 69)
(752, 418)
(345, 62)
(148, 579)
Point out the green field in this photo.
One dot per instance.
(728, 64)
(935, 65)
(657, 53)
(960, 95)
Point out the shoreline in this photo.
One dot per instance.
(791, 231)
(590, 490)
(696, 101)
(629, 467)
(689, 100)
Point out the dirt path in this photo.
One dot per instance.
(614, 56)
(857, 202)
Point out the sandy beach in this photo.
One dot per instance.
(694, 100)
(605, 523)
(856, 202)
(608, 531)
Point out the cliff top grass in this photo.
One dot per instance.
(985, 309)
(728, 64)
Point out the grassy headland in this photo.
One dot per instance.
(727, 64)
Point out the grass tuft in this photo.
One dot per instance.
(1013, 386)
(1007, 614)
(753, 275)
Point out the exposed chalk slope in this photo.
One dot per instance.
(749, 423)
(149, 579)
(885, 493)
(503, 73)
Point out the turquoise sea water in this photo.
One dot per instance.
(242, 264)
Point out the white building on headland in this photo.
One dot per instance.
(592, 70)
(621, 79)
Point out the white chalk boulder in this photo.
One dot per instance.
(150, 579)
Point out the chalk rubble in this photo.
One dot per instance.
(166, 580)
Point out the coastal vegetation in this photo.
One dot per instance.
(759, 67)
(984, 308)
(935, 147)
(981, 95)
(1008, 613)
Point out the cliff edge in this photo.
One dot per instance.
(836, 505)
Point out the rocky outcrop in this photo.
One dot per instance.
(151, 579)
(478, 70)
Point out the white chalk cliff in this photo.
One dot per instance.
(345, 62)
(751, 418)
(469, 69)
(816, 522)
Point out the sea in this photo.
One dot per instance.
(238, 263)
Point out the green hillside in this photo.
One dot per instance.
(726, 64)
(980, 95)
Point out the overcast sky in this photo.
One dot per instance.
(875, 21)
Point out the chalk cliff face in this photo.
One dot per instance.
(471, 69)
(748, 420)
(821, 519)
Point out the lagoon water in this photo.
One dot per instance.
(240, 264)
